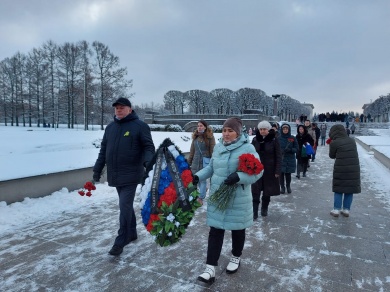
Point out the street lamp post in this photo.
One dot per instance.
(275, 96)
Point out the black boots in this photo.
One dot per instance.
(264, 212)
(255, 211)
(282, 189)
(304, 174)
(288, 189)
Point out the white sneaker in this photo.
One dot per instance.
(345, 212)
(233, 265)
(335, 213)
(208, 276)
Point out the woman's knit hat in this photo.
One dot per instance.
(264, 125)
(235, 124)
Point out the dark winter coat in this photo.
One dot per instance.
(127, 147)
(318, 134)
(323, 130)
(201, 142)
(302, 140)
(270, 154)
(311, 131)
(289, 147)
(346, 170)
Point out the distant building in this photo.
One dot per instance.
(310, 107)
(365, 107)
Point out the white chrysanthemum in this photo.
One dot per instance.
(190, 198)
(169, 234)
(170, 217)
(177, 224)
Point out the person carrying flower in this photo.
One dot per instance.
(202, 147)
(238, 215)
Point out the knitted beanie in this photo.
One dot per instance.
(264, 125)
(235, 124)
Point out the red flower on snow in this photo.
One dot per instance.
(89, 187)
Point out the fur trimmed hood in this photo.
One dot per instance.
(271, 135)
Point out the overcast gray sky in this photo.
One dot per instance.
(332, 53)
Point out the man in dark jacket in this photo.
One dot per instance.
(346, 170)
(126, 148)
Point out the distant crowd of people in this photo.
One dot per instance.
(342, 117)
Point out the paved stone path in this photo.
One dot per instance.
(298, 247)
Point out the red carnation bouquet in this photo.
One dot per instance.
(88, 188)
(248, 164)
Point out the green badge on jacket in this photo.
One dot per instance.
(126, 134)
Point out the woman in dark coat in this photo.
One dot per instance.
(268, 148)
(346, 170)
(303, 138)
(289, 147)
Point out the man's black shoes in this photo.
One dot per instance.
(131, 239)
(116, 250)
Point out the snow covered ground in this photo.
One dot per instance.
(33, 151)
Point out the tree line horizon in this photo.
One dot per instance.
(76, 83)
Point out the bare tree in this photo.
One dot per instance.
(111, 76)
(175, 100)
(51, 53)
(70, 60)
(197, 100)
(87, 82)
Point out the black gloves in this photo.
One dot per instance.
(232, 179)
(96, 177)
(195, 180)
